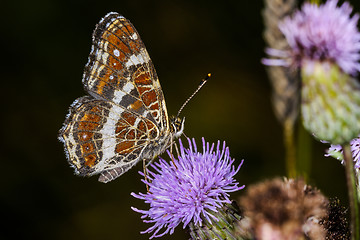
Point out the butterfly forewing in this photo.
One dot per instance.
(120, 70)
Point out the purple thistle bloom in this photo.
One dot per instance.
(320, 33)
(336, 151)
(198, 184)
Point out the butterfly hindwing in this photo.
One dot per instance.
(100, 136)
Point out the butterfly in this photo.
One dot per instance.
(123, 119)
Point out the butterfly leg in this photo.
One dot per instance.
(177, 149)
(145, 174)
(171, 154)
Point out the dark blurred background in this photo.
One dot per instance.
(45, 45)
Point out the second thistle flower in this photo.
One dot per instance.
(325, 45)
(336, 151)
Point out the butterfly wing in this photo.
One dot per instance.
(120, 70)
(99, 136)
(114, 128)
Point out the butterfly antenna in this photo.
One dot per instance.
(202, 83)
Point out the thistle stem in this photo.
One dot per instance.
(352, 191)
(315, 2)
(290, 149)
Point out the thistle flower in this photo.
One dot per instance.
(284, 209)
(324, 33)
(192, 191)
(324, 44)
(336, 151)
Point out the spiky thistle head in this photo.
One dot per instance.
(192, 190)
(284, 209)
(325, 33)
(324, 44)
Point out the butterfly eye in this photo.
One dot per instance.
(177, 126)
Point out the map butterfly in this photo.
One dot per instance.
(124, 118)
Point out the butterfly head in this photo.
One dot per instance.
(177, 126)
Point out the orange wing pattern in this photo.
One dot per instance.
(124, 120)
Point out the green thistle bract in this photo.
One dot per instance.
(330, 102)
